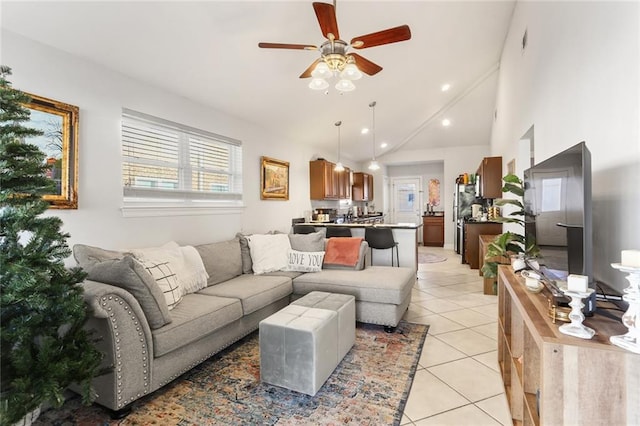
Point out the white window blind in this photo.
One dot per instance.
(166, 161)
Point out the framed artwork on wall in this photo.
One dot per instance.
(59, 123)
(274, 179)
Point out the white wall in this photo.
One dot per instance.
(100, 94)
(578, 80)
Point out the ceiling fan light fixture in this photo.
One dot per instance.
(321, 71)
(339, 167)
(318, 84)
(345, 86)
(351, 72)
(374, 165)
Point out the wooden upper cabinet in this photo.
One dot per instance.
(327, 184)
(490, 174)
(362, 189)
(344, 183)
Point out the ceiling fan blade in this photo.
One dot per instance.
(326, 15)
(365, 65)
(308, 71)
(287, 46)
(391, 35)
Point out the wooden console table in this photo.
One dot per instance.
(554, 379)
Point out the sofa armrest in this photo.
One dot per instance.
(125, 339)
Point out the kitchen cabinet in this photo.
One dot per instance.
(362, 189)
(433, 231)
(489, 176)
(344, 183)
(472, 232)
(554, 379)
(327, 184)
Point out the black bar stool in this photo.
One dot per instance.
(381, 239)
(304, 229)
(338, 231)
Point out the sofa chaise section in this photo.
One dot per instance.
(382, 293)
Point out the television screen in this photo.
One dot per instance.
(557, 201)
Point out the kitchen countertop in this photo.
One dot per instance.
(435, 214)
(367, 225)
(475, 222)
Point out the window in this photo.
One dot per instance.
(172, 163)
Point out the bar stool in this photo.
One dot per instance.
(338, 231)
(381, 239)
(303, 229)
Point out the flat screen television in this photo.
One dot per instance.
(557, 204)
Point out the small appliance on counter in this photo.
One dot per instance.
(324, 215)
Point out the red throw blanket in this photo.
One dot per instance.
(343, 251)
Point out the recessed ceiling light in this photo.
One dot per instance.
(446, 122)
(383, 145)
(364, 131)
(445, 87)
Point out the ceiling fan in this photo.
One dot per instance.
(334, 57)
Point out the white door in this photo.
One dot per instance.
(551, 193)
(407, 201)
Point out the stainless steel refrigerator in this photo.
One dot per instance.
(463, 198)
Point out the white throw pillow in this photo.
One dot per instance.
(305, 261)
(268, 252)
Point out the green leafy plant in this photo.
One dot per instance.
(509, 243)
(44, 345)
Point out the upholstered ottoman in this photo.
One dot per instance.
(299, 348)
(345, 306)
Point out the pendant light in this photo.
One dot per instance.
(339, 167)
(374, 164)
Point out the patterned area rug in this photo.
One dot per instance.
(370, 386)
(430, 258)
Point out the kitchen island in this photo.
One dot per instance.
(405, 234)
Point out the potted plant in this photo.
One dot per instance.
(509, 243)
(43, 343)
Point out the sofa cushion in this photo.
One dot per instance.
(129, 274)
(196, 316)
(307, 242)
(288, 274)
(254, 291)
(222, 260)
(380, 284)
(269, 252)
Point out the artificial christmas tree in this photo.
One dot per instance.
(44, 345)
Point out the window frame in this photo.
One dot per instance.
(140, 201)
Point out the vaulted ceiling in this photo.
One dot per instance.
(208, 51)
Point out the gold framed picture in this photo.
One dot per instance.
(59, 123)
(274, 179)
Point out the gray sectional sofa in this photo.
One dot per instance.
(146, 346)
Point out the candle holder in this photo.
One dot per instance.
(631, 319)
(576, 328)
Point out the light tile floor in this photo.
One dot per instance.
(458, 380)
